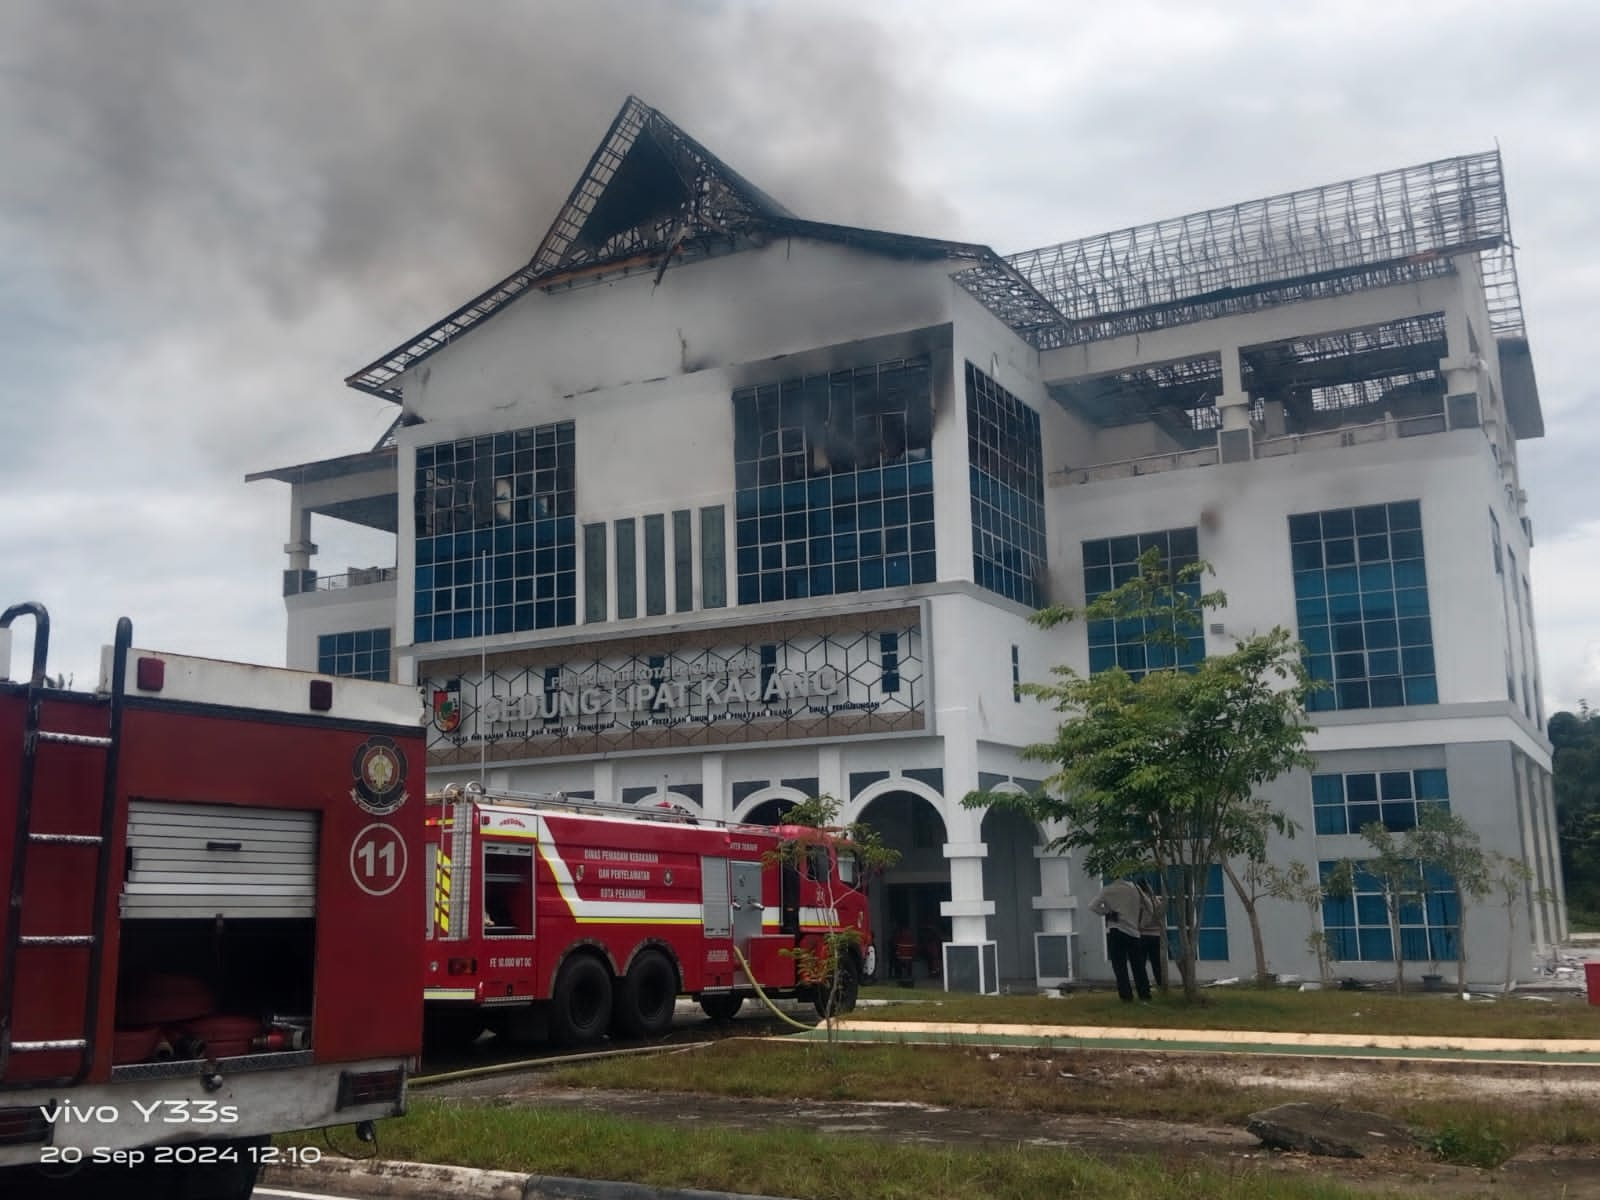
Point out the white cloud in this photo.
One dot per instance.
(1566, 582)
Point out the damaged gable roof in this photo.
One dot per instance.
(648, 186)
(652, 192)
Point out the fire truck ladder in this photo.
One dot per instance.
(18, 944)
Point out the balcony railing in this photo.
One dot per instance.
(299, 583)
(1274, 447)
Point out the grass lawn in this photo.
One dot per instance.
(1268, 1010)
(805, 1165)
(1057, 1082)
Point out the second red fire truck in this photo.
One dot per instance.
(579, 918)
(207, 865)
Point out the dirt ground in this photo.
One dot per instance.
(1565, 1172)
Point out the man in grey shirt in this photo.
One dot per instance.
(1125, 910)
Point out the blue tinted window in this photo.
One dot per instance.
(358, 654)
(1116, 560)
(1344, 803)
(1211, 943)
(834, 483)
(495, 524)
(1006, 479)
(1358, 926)
(1361, 592)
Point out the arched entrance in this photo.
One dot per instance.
(909, 894)
(768, 812)
(1010, 882)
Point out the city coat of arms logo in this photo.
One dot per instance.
(447, 707)
(380, 776)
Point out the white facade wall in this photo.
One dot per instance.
(315, 614)
(1242, 513)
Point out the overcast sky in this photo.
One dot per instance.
(211, 212)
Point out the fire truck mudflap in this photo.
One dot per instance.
(210, 882)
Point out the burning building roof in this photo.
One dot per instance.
(652, 195)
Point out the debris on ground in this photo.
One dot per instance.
(1329, 1130)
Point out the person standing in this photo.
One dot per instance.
(1123, 908)
(1153, 934)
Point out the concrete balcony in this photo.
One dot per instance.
(356, 599)
(1365, 433)
(299, 583)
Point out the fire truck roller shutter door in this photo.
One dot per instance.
(580, 1007)
(648, 996)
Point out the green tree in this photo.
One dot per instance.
(1444, 841)
(1299, 885)
(1399, 875)
(1161, 772)
(1251, 881)
(832, 964)
(1509, 879)
(1576, 739)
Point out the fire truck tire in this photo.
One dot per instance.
(844, 996)
(721, 1008)
(648, 997)
(580, 1008)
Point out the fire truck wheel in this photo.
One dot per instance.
(721, 1008)
(580, 1008)
(648, 997)
(843, 996)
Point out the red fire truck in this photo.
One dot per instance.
(576, 918)
(207, 866)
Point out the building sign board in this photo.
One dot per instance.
(836, 676)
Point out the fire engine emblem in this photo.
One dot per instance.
(380, 775)
(447, 707)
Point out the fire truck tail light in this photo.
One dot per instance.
(19, 1126)
(149, 674)
(462, 966)
(359, 1088)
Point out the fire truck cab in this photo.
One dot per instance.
(208, 877)
(576, 918)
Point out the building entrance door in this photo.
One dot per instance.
(914, 907)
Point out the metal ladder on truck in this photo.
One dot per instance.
(34, 953)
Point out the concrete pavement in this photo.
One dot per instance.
(430, 1181)
(1410, 1047)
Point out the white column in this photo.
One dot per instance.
(1233, 406)
(1529, 823)
(1236, 438)
(1057, 908)
(1056, 905)
(1545, 783)
(968, 911)
(605, 781)
(965, 850)
(713, 788)
(299, 547)
(830, 775)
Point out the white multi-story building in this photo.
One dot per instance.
(714, 503)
